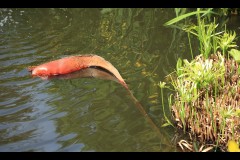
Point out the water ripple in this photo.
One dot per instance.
(75, 114)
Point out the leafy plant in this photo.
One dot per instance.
(163, 85)
(184, 16)
(209, 39)
(205, 34)
(235, 54)
(226, 41)
(200, 73)
(205, 88)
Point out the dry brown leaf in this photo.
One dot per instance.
(207, 149)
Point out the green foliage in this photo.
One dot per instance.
(179, 67)
(180, 11)
(235, 54)
(200, 73)
(184, 16)
(200, 83)
(193, 79)
(205, 34)
(226, 41)
(163, 85)
(210, 40)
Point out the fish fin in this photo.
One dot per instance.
(44, 77)
(30, 68)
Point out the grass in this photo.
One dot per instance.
(162, 85)
(206, 102)
(210, 40)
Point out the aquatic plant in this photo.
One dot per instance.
(206, 36)
(207, 99)
(168, 122)
(206, 32)
(226, 41)
(207, 95)
(235, 54)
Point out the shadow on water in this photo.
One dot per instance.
(86, 114)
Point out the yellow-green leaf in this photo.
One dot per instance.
(166, 124)
(235, 54)
(233, 146)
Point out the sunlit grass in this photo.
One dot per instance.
(209, 40)
(162, 85)
(226, 41)
(206, 101)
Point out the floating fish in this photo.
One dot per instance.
(72, 64)
(91, 72)
(82, 66)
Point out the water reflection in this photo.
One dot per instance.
(84, 114)
(106, 119)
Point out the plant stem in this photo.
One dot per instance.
(190, 44)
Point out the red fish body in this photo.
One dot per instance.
(60, 66)
(74, 63)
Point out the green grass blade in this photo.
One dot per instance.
(177, 19)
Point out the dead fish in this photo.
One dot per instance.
(74, 63)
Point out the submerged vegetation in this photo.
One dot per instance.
(206, 99)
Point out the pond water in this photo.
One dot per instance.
(86, 114)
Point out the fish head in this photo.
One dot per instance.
(40, 71)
